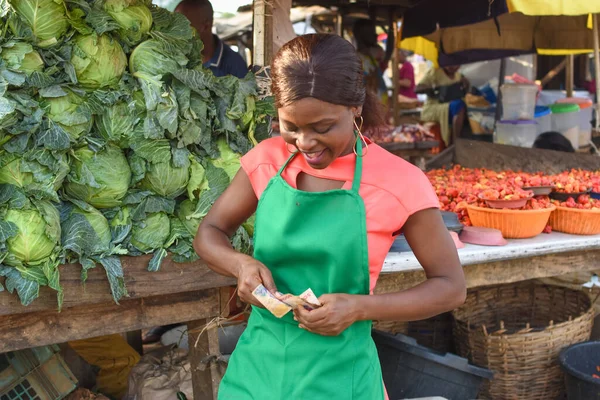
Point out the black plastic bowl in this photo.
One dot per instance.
(451, 221)
(580, 362)
(565, 196)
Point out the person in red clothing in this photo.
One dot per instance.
(406, 76)
(328, 206)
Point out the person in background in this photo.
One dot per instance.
(216, 55)
(450, 115)
(406, 76)
(372, 57)
(553, 141)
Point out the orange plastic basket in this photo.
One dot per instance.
(575, 221)
(514, 224)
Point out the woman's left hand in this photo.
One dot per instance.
(337, 313)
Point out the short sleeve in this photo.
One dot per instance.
(421, 196)
(262, 162)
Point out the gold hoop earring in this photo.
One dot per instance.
(362, 138)
(288, 148)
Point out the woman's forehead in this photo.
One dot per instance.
(310, 111)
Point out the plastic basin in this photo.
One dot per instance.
(580, 362)
(575, 221)
(412, 371)
(519, 133)
(518, 101)
(514, 224)
(565, 119)
(543, 118)
(585, 117)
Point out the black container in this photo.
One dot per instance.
(565, 196)
(580, 362)
(413, 371)
(451, 221)
(400, 245)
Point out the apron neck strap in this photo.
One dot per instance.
(357, 165)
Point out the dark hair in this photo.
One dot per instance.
(204, 5)
(325, 67)
(553, 141)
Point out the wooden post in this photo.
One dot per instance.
(263, 32)
(597, 68)
(339, 23)
(570, 74)
(393, 31)
(206, 375)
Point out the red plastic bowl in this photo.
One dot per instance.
(511, 204)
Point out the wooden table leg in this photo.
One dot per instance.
(134, 338)
(206, 376)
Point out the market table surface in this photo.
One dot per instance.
(544, 256)
(193, 294)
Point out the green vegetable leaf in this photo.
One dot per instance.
(7, 230)
(153, 151)
(156, 260)
(53, 138)
(114, 273)
(28, 290)
(217, 183)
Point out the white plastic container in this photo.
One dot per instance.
(565, 119)
(521, 133)
(543, 118)
(585, 117)
(518, 101)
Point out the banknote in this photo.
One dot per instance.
(271, 303)
(310, 298)
(295, 302)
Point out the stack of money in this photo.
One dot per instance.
(284, 303)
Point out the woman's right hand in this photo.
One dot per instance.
(250, 274)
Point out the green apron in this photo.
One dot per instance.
(307, 240)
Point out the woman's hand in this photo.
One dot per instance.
(338, 312)
(250, 274)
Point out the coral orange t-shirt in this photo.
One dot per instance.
(391, 188)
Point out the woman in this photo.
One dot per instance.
(406, 76)
(328, 205)
(450, 115)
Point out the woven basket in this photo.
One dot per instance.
(514, 224)
(574, 221)
(517, 331)
(393, 327)
(434, 333)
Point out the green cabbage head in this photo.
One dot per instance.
(116, 124)
(151, 233)
(67, 111)
(21, 172)
(228, 160)
(100, 226)
(166, 180)
(47, 19)
(99, 60)
(152, 58)
(184, 211)
(23, 58)
(100, 179)
(39, 232)
(135, 20)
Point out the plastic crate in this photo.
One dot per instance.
(35, 374)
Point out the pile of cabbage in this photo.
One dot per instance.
(114, 140)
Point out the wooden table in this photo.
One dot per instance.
(189, 293)
(193, 294)
(544, 256)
